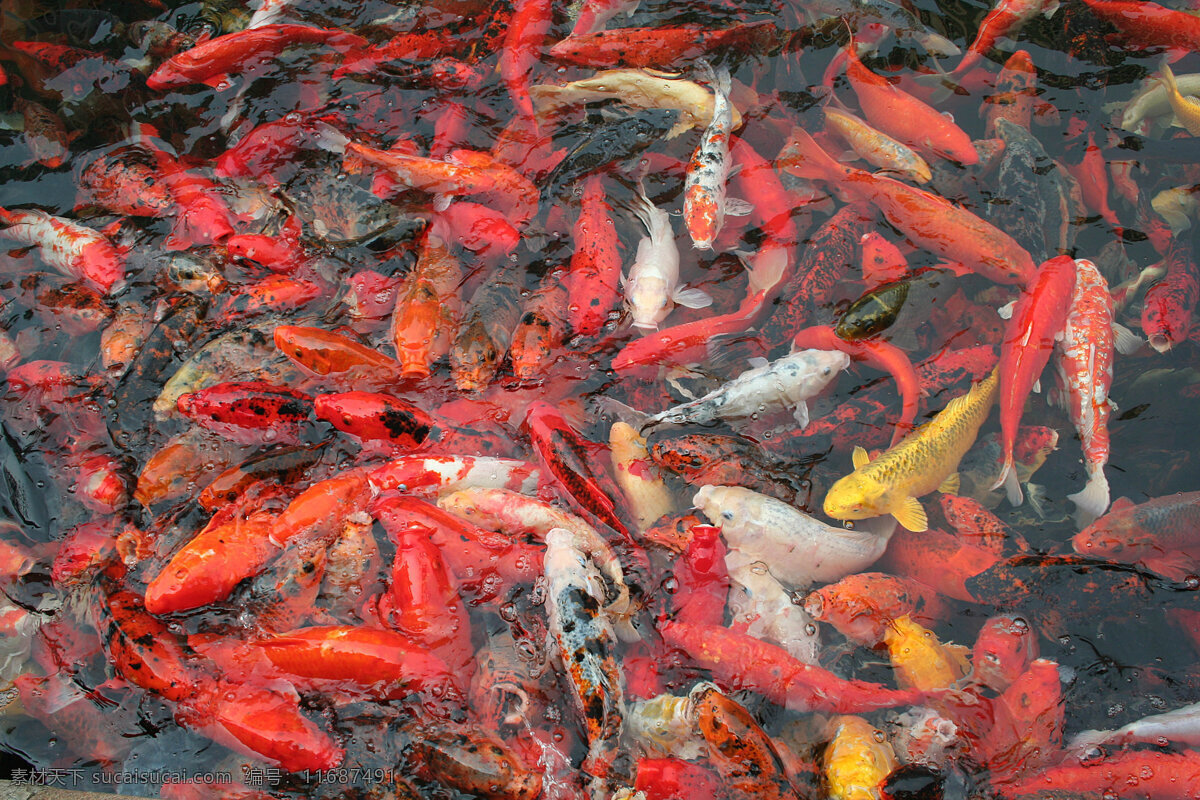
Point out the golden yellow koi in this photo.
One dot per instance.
(1187, 109)
(857, 760)
(876, 148)
(920, 660)
(925, 460)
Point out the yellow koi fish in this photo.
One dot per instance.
(1187, 109)
(857, 760)
(920, 660)
(925, 460)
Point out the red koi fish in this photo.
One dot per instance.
(123, 181)
(882, 261)
(703, 579)
(282, 253)
(320, 509)
(1169, 304)
(422, 603)
(1005, 648)
(1130, 775)
(201, 216)
(1037, 319)
(1158, 534)
(383, 663)
(323, 352)
(1092, 175)
(1028, 727)
(1146, 24)
(739, 661)
(522, 46)
(899, 114)
(210, 62)
(479, 228)
(217, 559)
(661, 47)
(73, 249)
(688, 343)
(930, 221)
(937, 559)
(593, 279)
(441, 474)
(876, 353)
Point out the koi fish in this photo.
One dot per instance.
(876, 148)
(585, 643)
(1006, 19)
(1170, 303)
(1154, 534)
(930, 221)
(594, 275)
(652, 285)
(857, 759)
(796, 548)
(787, 382)
(73, 249)
(924, 460)
(210, 61)
(637, 88)
(704, 200)
(903, 116)
(1084, 366)
(1037, 320)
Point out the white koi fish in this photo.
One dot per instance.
(652, 288)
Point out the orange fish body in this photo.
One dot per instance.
(930, 221)
(903, 116)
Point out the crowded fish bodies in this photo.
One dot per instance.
(791, 399)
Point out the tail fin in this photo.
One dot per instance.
(1092, 501)
(804, 158)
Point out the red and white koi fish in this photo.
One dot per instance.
(1084, 366)
(1037, 319)
(704, 202)
(73, 249)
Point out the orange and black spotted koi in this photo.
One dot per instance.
(250, 411)
(829, 255)
(740, 749)
(710, 458)
(372, 416)
(285, 465)
(466, 759)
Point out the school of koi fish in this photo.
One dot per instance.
(514, 400)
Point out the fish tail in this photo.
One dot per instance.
(1092, 501)
(804, 158)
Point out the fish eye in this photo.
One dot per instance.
(727, 515)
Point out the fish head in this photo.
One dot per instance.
(649, 301)
(854, 497)
(1033, 446)
(1004, 649)
(1111, 539)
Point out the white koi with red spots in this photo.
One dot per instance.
(704, 202)
(1084, 363)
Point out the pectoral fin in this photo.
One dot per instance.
(693, 298)
(912, 516)
(950, 485)
(860, 458)
(801, 415)
(736, 207)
